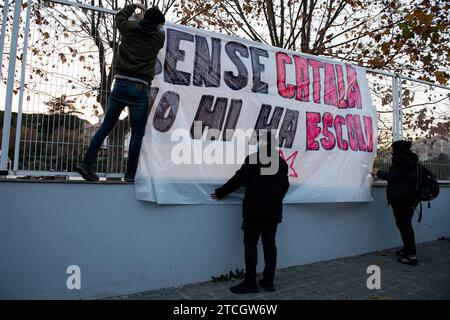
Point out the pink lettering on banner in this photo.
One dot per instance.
(329, 141)
(316, 65)
(352, 133)
(337, 92)
(312, 130)
(341, 87)
(286, 91)
(353, 92)
(359, 132)
(329, 138)
(330, 94)
(302, 78)
(338, 122)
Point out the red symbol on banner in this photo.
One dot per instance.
(290, 161)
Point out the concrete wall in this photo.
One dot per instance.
(125, 246)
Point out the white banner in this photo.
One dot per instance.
(211, 90)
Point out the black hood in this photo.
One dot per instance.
(407, 160)
(148, 26)
(401, 146)
(152, 18)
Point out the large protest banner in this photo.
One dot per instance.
(211, 89)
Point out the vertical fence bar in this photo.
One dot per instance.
(2, 38)
(22, 86)
(10, 89)
(400, 109)
(395, 108)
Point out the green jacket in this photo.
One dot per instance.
(138, 49)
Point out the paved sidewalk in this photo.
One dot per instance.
(339, 279)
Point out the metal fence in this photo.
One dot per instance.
(58, 59)
(66, 61)
(414, 110)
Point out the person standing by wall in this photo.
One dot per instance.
(141, 42)
(401, 195)
(262, 210)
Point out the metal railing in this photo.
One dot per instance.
(55, 98)
(66, 75)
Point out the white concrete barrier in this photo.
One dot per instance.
(125, 246)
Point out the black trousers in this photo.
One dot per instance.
(403, 215)
(252, 233)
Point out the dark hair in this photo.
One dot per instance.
(154, 15)
(401, 146)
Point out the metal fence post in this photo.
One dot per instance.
(395, 109)
(400, 109)
(22, 86)
(2, 38)
(10, 89)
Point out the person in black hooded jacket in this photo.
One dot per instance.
(264, 175)
(401, 195)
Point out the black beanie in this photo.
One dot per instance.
(401, 146)
(154, 15)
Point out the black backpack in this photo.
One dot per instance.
(427, 187)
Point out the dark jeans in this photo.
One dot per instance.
(125, 93)
(403, 216)
(267, 232)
